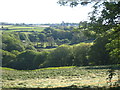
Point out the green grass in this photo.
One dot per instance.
(52, 77)
(12, 28)
(49, 68)
(17, 27)
(5, 68)
(6, 26)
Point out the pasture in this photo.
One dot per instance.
(53, 77)
(13, 28)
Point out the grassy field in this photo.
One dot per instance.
(12, 28)
(88, 76)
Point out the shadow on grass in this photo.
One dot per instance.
(117, 67)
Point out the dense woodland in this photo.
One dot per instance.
(91, 43)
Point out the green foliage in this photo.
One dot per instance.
(66, 55)
(103, 25)
(80, 53)
(11, 42)
(78, 36)
(42, 37)
(59, 57)
(25, 60)
(22, 36)
(15, 52)
(72, 3)
(98, 53)
(48, 29)
(30, 47)
(7, 58)
(113, 47)
(107, 24)
(40, 58)
(33, 37)
(104, 21)
(14, 41)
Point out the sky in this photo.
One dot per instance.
(41, 11)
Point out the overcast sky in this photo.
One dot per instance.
(40, 11)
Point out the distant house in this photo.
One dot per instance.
(23, 41)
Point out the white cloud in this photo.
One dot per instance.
(40, 11)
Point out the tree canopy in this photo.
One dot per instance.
(105, 22)
(93, 43)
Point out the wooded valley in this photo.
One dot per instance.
(93, 43)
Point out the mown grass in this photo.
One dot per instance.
(53, 77)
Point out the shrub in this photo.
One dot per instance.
(59, 57)
(80, 53)
(7, 58)
(40, 58)
(25, 60)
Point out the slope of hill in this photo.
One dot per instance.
(79, 77)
